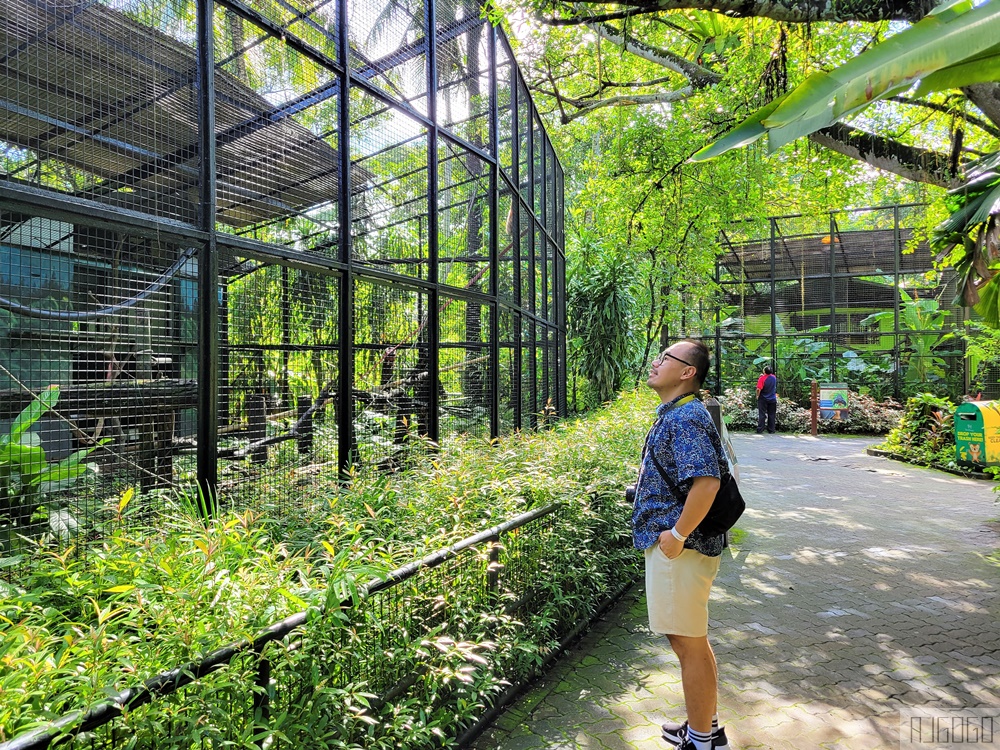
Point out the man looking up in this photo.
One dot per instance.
(679, 475)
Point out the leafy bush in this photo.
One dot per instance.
(925, 433)
(867, 416)
(80, 627)
(29, 481)
(600, 305)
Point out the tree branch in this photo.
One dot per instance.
(986, 96)
(698, 76)
(787, 11)
(912, 163)
(945, 109)
(625, 100)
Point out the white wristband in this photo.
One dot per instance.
(677, 534)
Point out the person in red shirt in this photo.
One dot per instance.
(767, 400)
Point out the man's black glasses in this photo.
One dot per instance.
(659, 359)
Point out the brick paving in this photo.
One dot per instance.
(861, 587)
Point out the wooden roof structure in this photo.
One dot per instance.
(856, 252)
(84, 85)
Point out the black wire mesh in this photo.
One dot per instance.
(524, 140)
(526, 260)
(463, 218)
(387, 49)
(109, 319)
(464, 367)
(389, 216)
(99, 103)
(506, 77)
(507, 374)
(529, 369)
(508, 245)
(279, 373)
(463, 79)
(392, 372)
(355, 277)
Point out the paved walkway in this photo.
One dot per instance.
(861, 588)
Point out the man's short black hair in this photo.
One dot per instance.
(699, 356)
(768, 370)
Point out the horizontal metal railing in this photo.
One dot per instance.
(166, 683)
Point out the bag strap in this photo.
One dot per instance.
(659, 467)
(652, 454)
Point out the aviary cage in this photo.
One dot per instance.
(256, 243)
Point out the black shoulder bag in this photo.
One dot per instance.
(727, 507)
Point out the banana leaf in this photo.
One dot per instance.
(959, 40)
(936, 42)
(38, 406)
(742, 135)
(982, 68)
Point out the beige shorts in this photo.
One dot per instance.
(677, 591)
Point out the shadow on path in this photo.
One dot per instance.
(861, 588)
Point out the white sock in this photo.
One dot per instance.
(715, 723)
(701, 740)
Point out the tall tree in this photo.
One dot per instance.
(919, 83)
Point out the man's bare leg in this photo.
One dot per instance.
(699, 678)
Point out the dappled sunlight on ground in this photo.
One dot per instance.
(859, 588)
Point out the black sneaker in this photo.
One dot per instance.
(676, 734)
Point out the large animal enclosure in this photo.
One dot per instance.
(256, 242)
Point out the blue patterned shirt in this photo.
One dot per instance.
(687, 446)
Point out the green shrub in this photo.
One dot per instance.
(925, 433)
(81, 626)
(867, 416)
(30, 484)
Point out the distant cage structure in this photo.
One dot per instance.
(849, 296)
(270, 239)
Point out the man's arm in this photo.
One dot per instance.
(696, 506)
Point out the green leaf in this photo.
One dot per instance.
(989, 296)
(124, 588)
(39, 405)
(983, 68)
(26, 459)
(742, 135)
(125, 499)
(987, 206)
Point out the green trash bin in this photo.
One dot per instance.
(977, 433)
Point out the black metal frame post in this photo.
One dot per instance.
(719, 385)
(515, 207)
(494, 247)
(346, 449)
(896, 252)
(833, 296)
(433, 229)
(208, 269)
(774, 301)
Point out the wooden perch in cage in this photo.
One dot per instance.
(422, 374)
(301, 431)
(109, 399)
